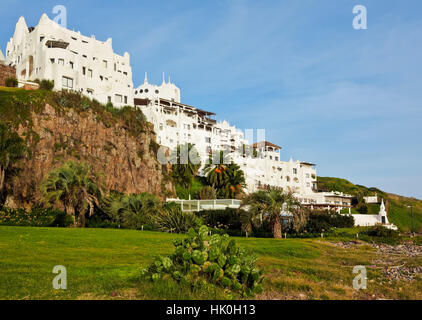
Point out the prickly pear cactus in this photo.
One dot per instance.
(215, 259)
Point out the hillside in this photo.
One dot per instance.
(58, 126)
(397, 206)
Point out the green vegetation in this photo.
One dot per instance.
(227, 179)
(36, 217)
(45, 84)
(324, 221)
(193, 190)
(397, 206)
(11, 82)
(209, 260)
(132, 211)
(74, 186)
(267, 205)
(185, 164)
(107, 264)
(172, 219)
(12, 148)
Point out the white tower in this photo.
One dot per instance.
(383, 214)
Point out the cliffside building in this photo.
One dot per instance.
(74, 61)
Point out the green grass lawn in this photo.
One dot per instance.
(106, 264)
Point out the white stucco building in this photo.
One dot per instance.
(176, 123)
(74, 61)
(365, 220)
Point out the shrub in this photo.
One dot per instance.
(228, 219)
(207, 193)
(382, 234)
(37, 217)
(132, 211)
(325, 220)
(215, 259)
(362, 208)
(46, 84)
(11, 82)
(172, 219)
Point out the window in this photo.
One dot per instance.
(307, 176)
(294, 171)
(71, 64)
(118, 98)
(42, 38)
(207, 139)
(125, 99)
(271, 157)
(67, 82)
(90, 73)
(105, 64)
(52, 60)
(157, 92)
(141, 91)
(136, 92)
(161, 126)
(61, 61)
(73, 38)
(125, 73)
(146, 90)
(109, 99)
(101, 78)
(83, 70)
(90, 91)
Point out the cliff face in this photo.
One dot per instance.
(127, 163)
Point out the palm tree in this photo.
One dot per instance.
(235, 181)
(74, 185)
(267, 205)
(185, 164)
(216, 171)
(132, 210)
(12, 148)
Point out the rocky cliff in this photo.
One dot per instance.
(120, 145)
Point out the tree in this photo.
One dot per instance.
(185, 164)
(235, 181)
(224, 176)
(75, 186)
(132, 210)
(267, 205)
(12, 148)
(207, 193)
(216, 170)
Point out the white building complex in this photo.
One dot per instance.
(74, 61)
(84, 64)
(177, 123)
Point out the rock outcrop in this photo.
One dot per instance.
(127, 164)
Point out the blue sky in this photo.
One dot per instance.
(349, 101)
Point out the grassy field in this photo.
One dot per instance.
(106, 264)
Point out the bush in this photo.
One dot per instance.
(362, 208)
(11, 82)
(227, 219)
(46, 84)
(207, 193)
(132, 211)
(37, 217)
(325, 220)
(382, 234)
(215, 260)
(172, 219)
